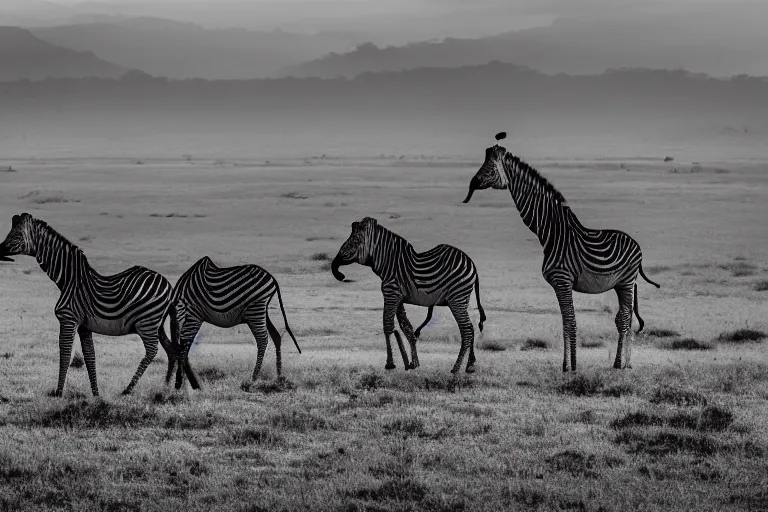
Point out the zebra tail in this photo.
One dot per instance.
(646, 277)
(479, 306)
(175, 341)
(285, 319)
(637, 312)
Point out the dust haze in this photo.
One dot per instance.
(156, 132)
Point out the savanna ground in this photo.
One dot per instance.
(684, 429)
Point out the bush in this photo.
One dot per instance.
(77, 361)
(534, 344)
(662, 333)
(687, 344)
(583, 385)
(492, 346)
(678, 396)
(742, 336)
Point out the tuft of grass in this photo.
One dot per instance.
(619, 390)
(83, 414)
(492, 346)
(260, 436)
(638, 419)
(687, 344)
(715, 418)
(662, 333)
(739, 268)
(199, 420)
(77, 361)
(298, 421)
(761, 286)
(294, 195)
(276, 386)
(535, 344)
(592, 343)
(574, 462)
(583, 385)
(677, 396)
(211, 374)
(320, 256)
(742, 336)
(370, 381)
(407, 426)
(660, 443)
(7, 355)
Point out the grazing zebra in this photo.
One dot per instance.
(225, 297)
(442, 276)
(575, 257)
(135, 301)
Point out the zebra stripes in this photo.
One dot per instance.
(575, 257)
(134, 301)
(225, 297)
(442, 276)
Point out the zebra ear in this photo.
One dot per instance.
(355, 226)
(501, 135)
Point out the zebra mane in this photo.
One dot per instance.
(55, 235)
(537, 178)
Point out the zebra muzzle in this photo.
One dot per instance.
(335, 264)
(3, 253)
(472, 188)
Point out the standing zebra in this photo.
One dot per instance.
(225, 297)
(442, 276)
(135, 301)
(575, 257)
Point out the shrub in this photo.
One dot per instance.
(662, 333)
(77, 361)
(678, 396)
(742, 336)
(687, 344)
(534, 344)
(583, 385)
(492, 346)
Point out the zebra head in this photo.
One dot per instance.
(357, 248)
(20, 240)
(491, 174)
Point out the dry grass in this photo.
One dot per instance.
(341, 432)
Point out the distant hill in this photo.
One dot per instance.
(488, 94)
(22, 55)
(185, 50)
(717, 45)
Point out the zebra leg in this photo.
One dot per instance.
(150, 340)
(277, 340)
(257, 322)
(66, 338)
(89, 354)
(426, 321)
(391, 303)
(564, 292)
(186, 339)
(461, 315)
(407, 328)
(624, 324)
(166, 344)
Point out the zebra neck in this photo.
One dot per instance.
(541, 208)
(63, 261)
(388, 251)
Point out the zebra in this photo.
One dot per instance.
(575, 257)
(225, 297)
(442, 276)
(135, 301)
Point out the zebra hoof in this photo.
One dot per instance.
(58, 393)
(417, 333)
(95, 393)
(390, 366)
(127, 391)
(617, 365)
(470, 369)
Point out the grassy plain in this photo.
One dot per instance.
(683, 430)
